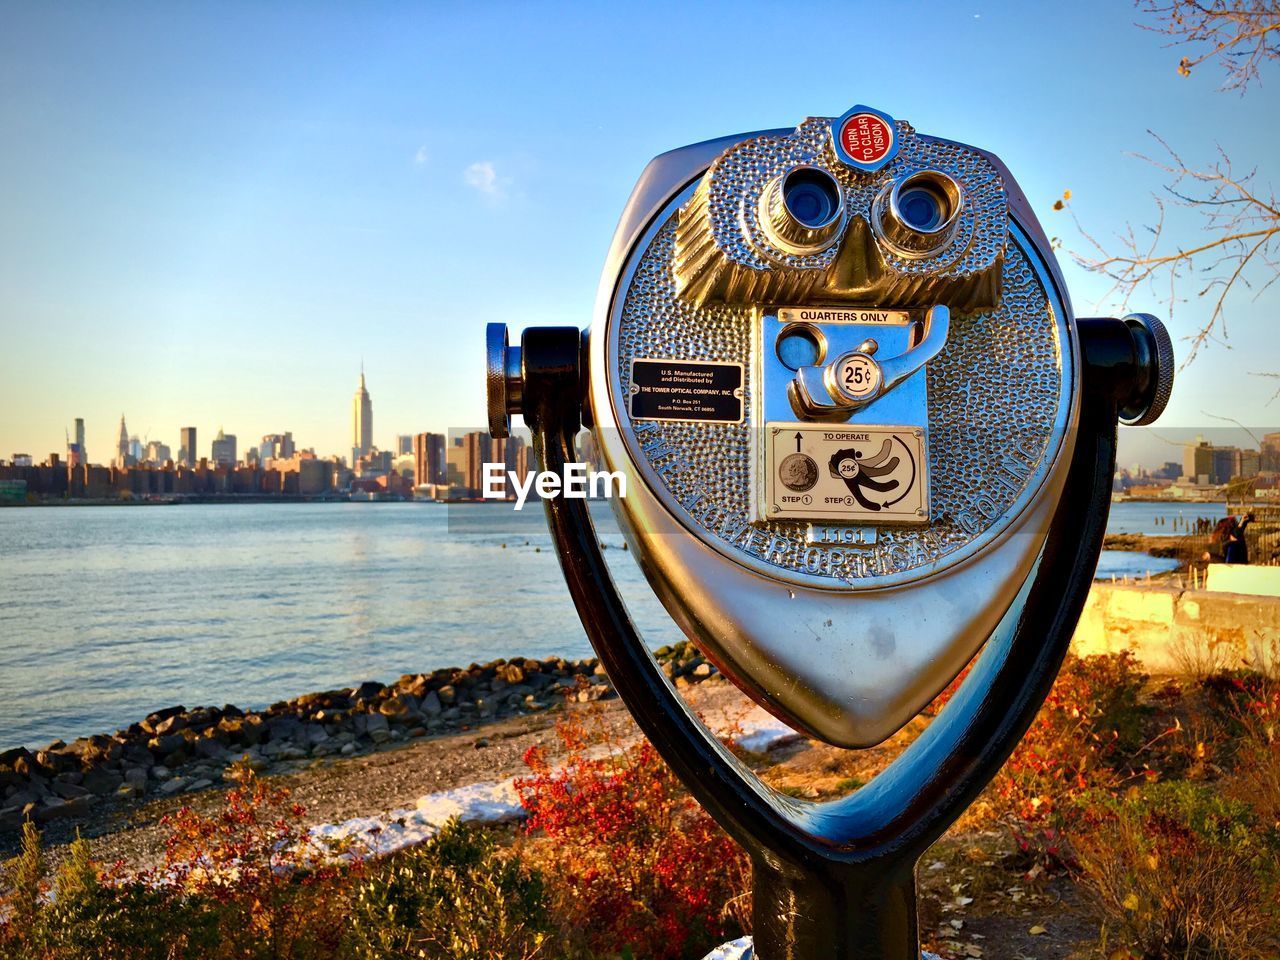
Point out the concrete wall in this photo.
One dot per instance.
(1174, 631)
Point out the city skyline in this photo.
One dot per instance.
(211, 213)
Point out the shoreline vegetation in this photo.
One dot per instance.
(1135, 820)
(176, 750)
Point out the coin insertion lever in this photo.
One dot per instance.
(856, 378)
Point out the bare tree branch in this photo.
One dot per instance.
(1241, 227)
(1240, 34)
(1273, 376)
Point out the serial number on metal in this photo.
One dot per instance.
(856, 474)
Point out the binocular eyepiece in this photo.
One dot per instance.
(915, 215)
(802, 210)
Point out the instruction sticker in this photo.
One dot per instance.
(690, 390)
(854, 474)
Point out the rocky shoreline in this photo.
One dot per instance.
(176, 750)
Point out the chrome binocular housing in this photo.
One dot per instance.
(839, 369)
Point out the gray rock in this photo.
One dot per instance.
(170, 787)
(137, 777)
(102, 781)
(210, 749)
(380, 736)
(129, 791)
(431, 705)
(53, 808)
(167, 744)
(68, 790)
(447, 694)
(348, 749)
(171, 725)
(375, 722)
(160, 773)
(11, 818)
(202, 784)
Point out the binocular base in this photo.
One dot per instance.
(741, 949)
(835, 880)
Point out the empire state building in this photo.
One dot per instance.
(361, 422)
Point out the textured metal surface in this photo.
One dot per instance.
(1162, 368)
(723, 253)
(495, 379)
(999, 405)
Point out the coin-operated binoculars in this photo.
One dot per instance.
(865, 439)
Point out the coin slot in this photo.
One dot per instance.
(801, 345)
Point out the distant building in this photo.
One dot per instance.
(404, 466)
(187, 449)
(276, 446)
(84, 456)
(122, 446)
(404, 444)
(1270, 453)
(157, 452)
(224, 449)
(456, 471)
(137, 451)
(478, 450)
(361, 422)
(429, 460)
(375, 463)
(1246, 463)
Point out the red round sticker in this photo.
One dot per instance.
(866, 138)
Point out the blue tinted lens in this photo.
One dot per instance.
(921, 208)
(811, 197)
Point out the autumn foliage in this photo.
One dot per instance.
(634, 862)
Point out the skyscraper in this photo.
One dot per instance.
(361, 422)
(187, 448)
(224, 449)
(478, 447)
(428, 458)
(122, 445)
(84, 457)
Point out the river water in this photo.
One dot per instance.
(108, 613)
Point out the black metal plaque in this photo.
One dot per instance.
(697, 390)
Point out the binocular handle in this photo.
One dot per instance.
(851, 861)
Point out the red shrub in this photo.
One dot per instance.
(638, 864)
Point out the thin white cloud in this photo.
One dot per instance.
(422, 156)
(483, 177)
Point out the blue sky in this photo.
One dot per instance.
(210, 213)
